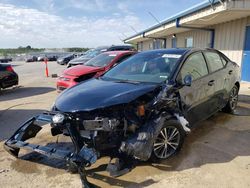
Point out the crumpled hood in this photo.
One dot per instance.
(81, 70)
(97, 93)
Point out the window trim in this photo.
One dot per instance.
(177, 77)
(211, 72)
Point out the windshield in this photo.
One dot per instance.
(101, 60)
(152, 67)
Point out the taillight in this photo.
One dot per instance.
(10, 69)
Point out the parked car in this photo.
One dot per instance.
(5, 59)
(41, 57)
(94, 52)
(93, 68)
(142, 108)
(51, 57)
(31, 59)
(8, 77)
(84, 58)
(65, 59)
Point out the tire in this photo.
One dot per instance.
(162, 149)
(232, 102)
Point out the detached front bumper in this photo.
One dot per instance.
(80, 156)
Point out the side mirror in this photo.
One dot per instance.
(187, 80)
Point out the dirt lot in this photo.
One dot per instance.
(215, 154)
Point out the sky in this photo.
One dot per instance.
(80, 23)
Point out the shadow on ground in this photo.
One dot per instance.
(11, 120)
(244, 98)
(23, 92)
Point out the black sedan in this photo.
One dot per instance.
(65, 59)
(140, 109)
(8, 77)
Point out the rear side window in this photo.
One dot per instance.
(214, 61)
(223, 61)
(195, 66)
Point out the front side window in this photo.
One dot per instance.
(214, 61)
(152, 67)
(195, 66)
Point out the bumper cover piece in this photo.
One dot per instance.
(30, 129)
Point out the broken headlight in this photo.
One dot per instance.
(58, 118)
(98, 123)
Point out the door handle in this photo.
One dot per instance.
(211, 82)
(230, 72)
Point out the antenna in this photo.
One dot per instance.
(133, 29)
(154, 17)
(120, 38)
(124, 35)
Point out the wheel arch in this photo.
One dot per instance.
(237, 84)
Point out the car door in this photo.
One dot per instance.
(193, 98)
(218, 80)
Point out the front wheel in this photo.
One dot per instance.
(233, 100)
(169, 140)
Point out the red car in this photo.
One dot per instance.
(93, 68)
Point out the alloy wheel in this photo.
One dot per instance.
(167, 142)
(233, 98)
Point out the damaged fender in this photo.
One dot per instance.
(141, 143)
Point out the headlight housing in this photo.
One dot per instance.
(58, 118)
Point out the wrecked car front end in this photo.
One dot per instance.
(129, 128)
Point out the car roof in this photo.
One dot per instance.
(119, 52)
(179, 51)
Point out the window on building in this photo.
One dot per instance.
(150, 46)
(163, 45)
(189, 42)
(140, 46)
(174, 42)
(195, 66)
(214, 61)
(158, 43)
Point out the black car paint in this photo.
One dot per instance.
(98, 93)
(65, 59)
(7, 78)
(202, 100)
(132, 134)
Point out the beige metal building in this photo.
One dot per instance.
(220, 24)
